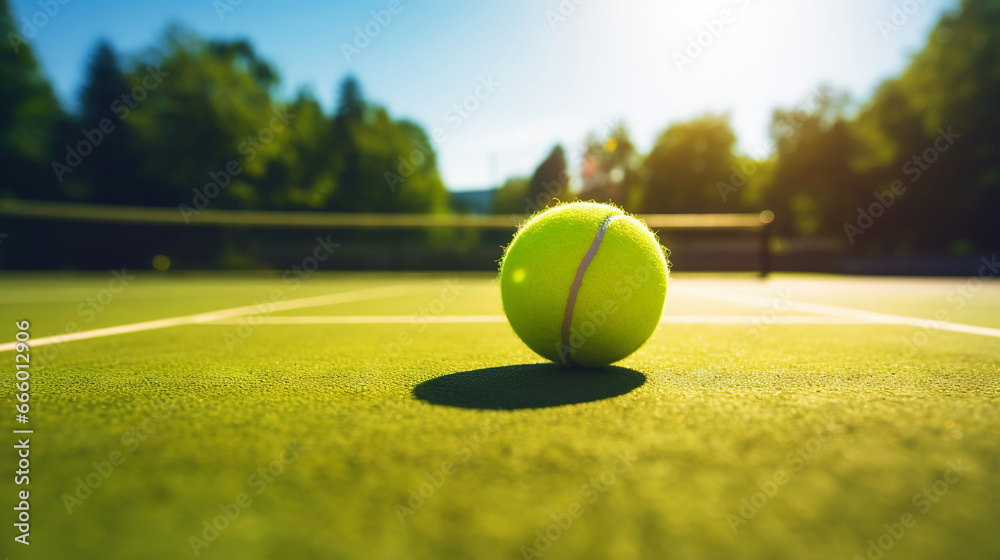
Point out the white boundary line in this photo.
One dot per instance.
(843, 312)
(460, 319)
(316, 301)
(829, 315)
(366, 319)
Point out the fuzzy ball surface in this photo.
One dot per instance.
(584, 283)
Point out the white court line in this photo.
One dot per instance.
(830, 315)
(834, 311)
(752, 319)
(403, 319)
(367, 319)
(316, 301)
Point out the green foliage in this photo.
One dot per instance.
(929, 133)
(110, 174)
(303, 175)
(383, 165)
(952, 84)
(512, 197)
(30, 119)
(196, 123)
(550, 182)
(612, 169)
(190, 114)
(811, 181)
(213, 106)
(685, 164)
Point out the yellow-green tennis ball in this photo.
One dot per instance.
(584, 283)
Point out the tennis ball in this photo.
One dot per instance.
(584, 283)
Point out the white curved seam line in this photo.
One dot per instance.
(566, 352)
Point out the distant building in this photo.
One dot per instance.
(473, 202)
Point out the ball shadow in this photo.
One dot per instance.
(528, 386)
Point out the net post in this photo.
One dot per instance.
(766, 223)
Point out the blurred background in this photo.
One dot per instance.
(227, 134)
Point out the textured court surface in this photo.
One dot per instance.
(801, 417)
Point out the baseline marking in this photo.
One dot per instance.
(843, 312)
(403, 319)
(315, 301)
(827, 315)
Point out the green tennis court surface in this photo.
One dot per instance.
(397, 416)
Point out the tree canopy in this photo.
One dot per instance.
(192, 122)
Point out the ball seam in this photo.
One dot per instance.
(566, 351)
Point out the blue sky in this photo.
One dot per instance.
(560, 68)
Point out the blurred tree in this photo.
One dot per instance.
(812, 186)
(348, 120)
(523, 195)
(685, 164)
(303, 174)
(550, 182)
(205, 121)
(748, 184)
(196, 122)
(30, 118)
(351, 103)
(611, 169)
(423, 189)
(935, 128)
(111, 171)
(383, 165)
(104, 84)
(512, 197)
